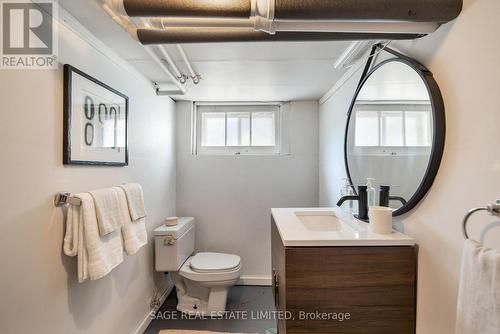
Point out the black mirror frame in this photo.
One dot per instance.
(439, 123)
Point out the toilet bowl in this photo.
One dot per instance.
(202, 280)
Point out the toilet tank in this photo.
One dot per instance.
(174, 244)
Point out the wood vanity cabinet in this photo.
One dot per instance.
(375, 285)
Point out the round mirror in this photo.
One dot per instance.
(395, 133)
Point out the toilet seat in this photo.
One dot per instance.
(227, 272)
(206, 262)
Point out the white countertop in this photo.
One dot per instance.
(350, 231)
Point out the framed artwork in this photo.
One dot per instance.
(95, 121)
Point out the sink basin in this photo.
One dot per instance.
(329, 227)
(319, 220)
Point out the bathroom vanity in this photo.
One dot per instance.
(334, 276)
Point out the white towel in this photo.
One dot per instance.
(135, 200)
(133, 232)
(96, 255)
(479, 293)
(107, 209)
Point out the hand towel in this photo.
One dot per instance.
(135, 200)
(107, 209)
(479, 293)
(133, 232)
(96, 255)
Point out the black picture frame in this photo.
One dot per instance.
(67, 124)
(439, 122)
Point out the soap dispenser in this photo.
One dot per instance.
(371, 192)
(347, 191)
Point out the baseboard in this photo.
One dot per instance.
(255, 280)
(147, 319)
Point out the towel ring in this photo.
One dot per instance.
(493, 209)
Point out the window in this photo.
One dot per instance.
(367, 128)
(237, 129)
(394, 128)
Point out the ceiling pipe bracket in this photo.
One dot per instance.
(263, 15)
(196, 79)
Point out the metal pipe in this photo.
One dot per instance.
(310, 26)
(195, 77)
(182, 89)
(128, 26)
(167, 22)
(181, 77)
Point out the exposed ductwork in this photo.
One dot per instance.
(173, 21)
(390, 10)
(208, 35)
(188, 8)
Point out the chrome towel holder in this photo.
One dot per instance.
(64, 198)
(492, 208)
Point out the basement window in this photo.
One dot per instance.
(237, 129)
(395, 129)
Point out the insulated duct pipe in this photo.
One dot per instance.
(287, 20)
(193, 35)
(372, 10)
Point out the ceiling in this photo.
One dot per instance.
(265, 71)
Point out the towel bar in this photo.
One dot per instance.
(64, 198)
(492, 208)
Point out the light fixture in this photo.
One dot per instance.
(353, 52)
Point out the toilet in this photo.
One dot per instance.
(202, 280)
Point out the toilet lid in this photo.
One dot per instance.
(209, 262)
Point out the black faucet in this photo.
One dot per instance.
(384, 197)
(362, 199)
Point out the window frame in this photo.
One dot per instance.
(198, 149)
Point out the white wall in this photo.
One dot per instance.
(464, 56)
(332, 123)
(232, 196)
(39, 292)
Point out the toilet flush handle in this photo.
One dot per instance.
(169, 240)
